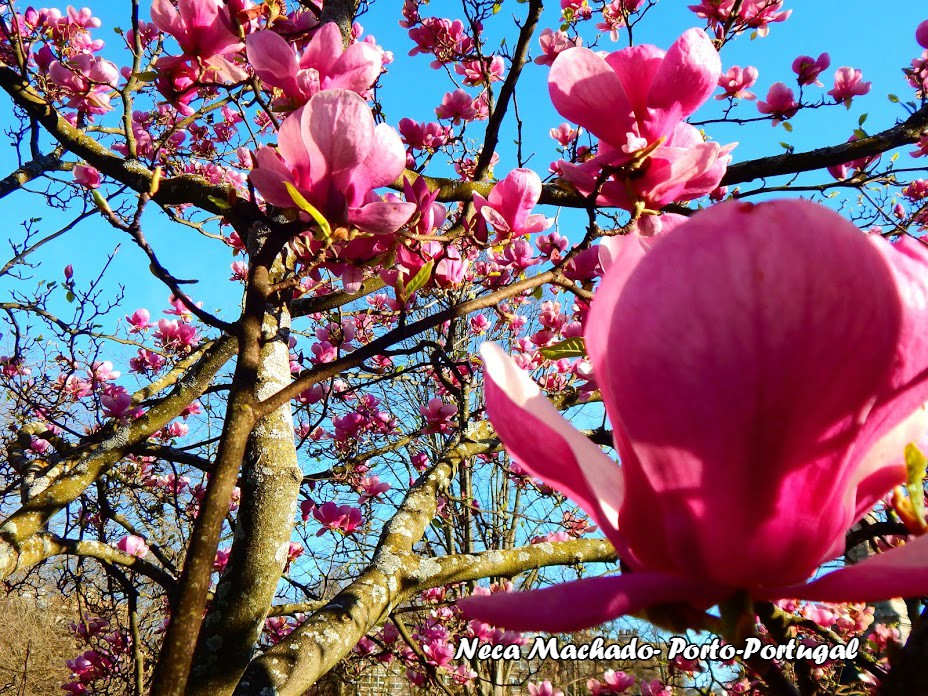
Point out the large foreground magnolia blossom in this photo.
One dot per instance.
(762, 368)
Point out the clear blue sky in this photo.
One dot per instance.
(855, 33)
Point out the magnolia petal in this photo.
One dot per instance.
(900, 572)
(324, 50)
(687, 76)
(269, 175)
(635, 67)
(274, 60)
(572, 606)
(547, 445)
(381, 217)
(337, 124)
(585, 90)
(382, 165)
(357, 68)
(516, 195)
(165, 16)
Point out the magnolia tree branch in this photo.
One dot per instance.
(32, 170)
(43, 546)
(506, 92)
(72, 477)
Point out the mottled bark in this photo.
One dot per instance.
(270, 482)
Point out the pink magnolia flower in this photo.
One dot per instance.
(757, 416)
(736, 81)
(848, 84)
(139, 320)
(221, 560)
(333, 154)
(921, 147)
(921, 34)
(423, 136)
(564, 134)
(781, 102)
(753, 14)
(340, 518)
(458, 106)
(325, 64)
(439, 416)
(371, 487)
(613, 684)
(87, 176)
(552, 43)
(133, 545)
(509, 206)
(481, 72)
(87, 81)
(655, 687)
(176, 336)
(636, 99)
(808, 68)
(543, 689)
(206, 34)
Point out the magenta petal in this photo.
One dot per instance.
(338, 125)
(269, 176)
(274, 60)
(731, 435)
(901, 572)
(547, 445)
(516, 195)
(381, 217)
(324, 50)
(585, 90)
(165, 16)
(576, 605)
(382, 165)
(687, 76)
(635, 67)
(357, 69)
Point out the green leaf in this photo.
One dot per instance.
(862, 120)
(568, 348)
(220, 203)
(146, 76)
(786, 146)
(308, 207)
(860, 133)
(915, 464)
(787, 126)
(893, 98)
(69, 296)
(538, 292)
(419, 280)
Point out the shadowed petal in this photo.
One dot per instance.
(547, 445)
(901, 572)
(572, 606)
(585, 90)
(274, 60)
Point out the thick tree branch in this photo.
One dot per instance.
(75, 475)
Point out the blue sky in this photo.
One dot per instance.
(853, 33)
